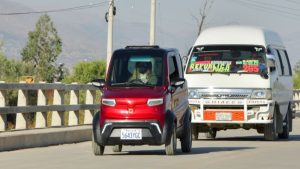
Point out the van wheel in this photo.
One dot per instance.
(186, 140)
(97, 149)
(270, 129)
(195, 132)
(117, 148)
(170, 148)
(286, 128)
(211, 134)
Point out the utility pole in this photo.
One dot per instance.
(110, 19)
(152, 22)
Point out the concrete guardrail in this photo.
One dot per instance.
(58, 132)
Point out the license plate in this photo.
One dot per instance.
(223, 116)
(131, 134)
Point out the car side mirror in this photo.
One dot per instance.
(271, 62)
(99, 83)
(177, 82)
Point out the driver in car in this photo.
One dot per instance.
(143, 73)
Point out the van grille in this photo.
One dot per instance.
(225, 96)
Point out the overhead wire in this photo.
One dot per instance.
(273, 5)
(268, 8)
(293, 1)
(81, 7)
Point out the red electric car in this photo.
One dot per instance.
(144, 101)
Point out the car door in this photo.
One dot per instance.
(179, 97)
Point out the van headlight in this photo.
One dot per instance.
(155, 102)
(193, 94)
(109, 102)
(261, 94)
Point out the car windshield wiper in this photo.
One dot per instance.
(120, 84)
(128, 84)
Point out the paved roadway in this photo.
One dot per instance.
(235, 149)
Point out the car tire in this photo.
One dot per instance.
(97, 149)
(117, 148)
(211, 134)
(286, 128)
(186, 140)
(270, 133)
(171, 147)
(195, 132)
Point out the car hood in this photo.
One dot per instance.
(134, 92)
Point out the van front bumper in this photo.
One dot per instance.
(248, 111)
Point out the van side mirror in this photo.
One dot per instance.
(271, 62)
(99, 83)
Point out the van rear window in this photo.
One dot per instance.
(227, 59)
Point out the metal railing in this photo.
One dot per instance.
(57, 106)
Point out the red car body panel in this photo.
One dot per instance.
(131, 104)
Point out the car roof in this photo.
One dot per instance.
(146, 48)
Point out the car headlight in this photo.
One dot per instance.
(109, 102)
(193, 94)
(261, 94)
(155, 102)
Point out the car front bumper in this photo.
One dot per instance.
(110, 134)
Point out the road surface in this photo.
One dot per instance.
(233, 149)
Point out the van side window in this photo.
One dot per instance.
(280, 60)
(173, 68)
(285, 63)
(288, 63)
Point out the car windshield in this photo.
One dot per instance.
(136, 69)
(227, 59)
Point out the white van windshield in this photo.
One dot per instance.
(227, 59)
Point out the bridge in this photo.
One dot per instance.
(62, 113)
(62, 109)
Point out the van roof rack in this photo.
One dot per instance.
(145, 47)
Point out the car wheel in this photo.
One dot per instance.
(97, 149)
(195, 132)
(270, 129)
(186, 140)
(286, 128)
(211, 134)
(170, 148)
(117, 148)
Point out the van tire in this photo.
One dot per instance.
(171, 147)
(97, 149)
(211, 134)
(186, 140)
(117, 148)
(286, 128)
(270, 133)
(195, 132)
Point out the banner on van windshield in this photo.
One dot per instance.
(251, 66)
(210, 66)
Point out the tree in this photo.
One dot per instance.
(207, 4)
(11, 70)
(296, 76)
(42, 49)
(85, 72)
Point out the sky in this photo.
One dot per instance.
(176, 24)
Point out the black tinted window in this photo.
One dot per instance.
(173, 68)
